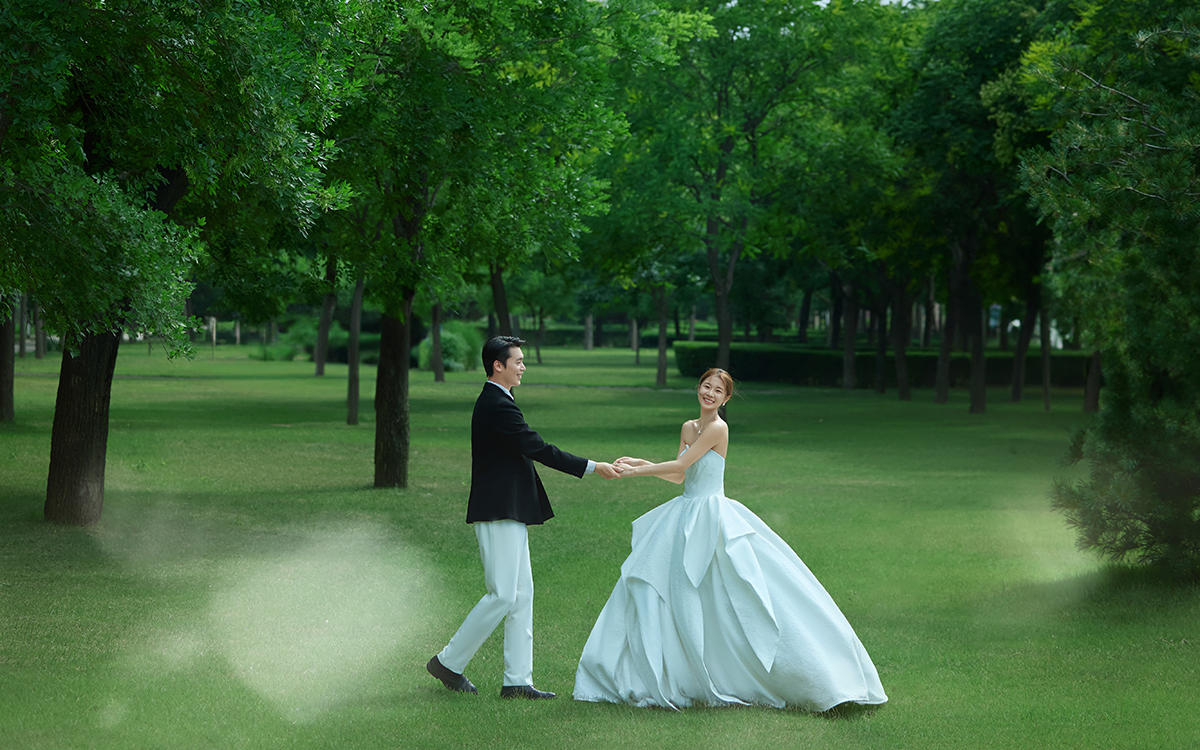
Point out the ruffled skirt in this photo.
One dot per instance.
(712, 607)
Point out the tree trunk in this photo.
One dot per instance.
(237, 331)
(881, 342)
(541, 333)
(1091, 394)
(835, 315)
(802, 319)
(1044, 334)
(724, 328)
(661, 298)
(391, 397)
(1024, 336)
(589, 341)
(977, 331)
(352, 359)
(322, 352)
(953, 320)
(8, 362)
(692, 324)
(79, 436)
(634, 342)
(500, 300)
(39, 331)
(849, 335)
(901, 333)
(22, 324)
(435, 350)
(930, 316)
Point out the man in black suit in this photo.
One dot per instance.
(506, 497)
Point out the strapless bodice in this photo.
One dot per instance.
(706, 476)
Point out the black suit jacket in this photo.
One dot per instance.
(504, 483)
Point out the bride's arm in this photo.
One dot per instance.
(628, 462)
(673, 471)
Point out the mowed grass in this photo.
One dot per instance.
(248, 588)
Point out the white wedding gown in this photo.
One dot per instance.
(712, 608)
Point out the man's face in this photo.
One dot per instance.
(509, 374)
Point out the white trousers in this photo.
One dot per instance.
(504, 550)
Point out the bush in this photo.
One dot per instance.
(805, 365)
(462, 343)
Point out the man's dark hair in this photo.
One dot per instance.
(497, 348)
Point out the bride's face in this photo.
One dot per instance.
(711, 393)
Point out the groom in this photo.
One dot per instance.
(506, 497)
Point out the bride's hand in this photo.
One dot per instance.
(631, 461)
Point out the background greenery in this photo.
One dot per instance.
(247, 588)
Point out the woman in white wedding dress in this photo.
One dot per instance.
(712, 607)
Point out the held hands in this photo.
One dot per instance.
(607, 470)
(623, 466)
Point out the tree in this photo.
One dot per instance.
(119, 121)
(468, 145)
(947, 123)
(725, 121)
(1118, 184)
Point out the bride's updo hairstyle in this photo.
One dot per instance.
(726, 380)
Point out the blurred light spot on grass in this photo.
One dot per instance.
(317, 627)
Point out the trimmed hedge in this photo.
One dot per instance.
(792, 363)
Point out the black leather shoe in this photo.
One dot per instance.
(452, 680)
(524, 691)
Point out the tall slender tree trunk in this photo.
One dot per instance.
(849, 335)
(1091, 393)
(589, 323)
(8, 363)
(802, 318)
(661, 299)
(435, 350)
(930, 316)
(635, 339)
(834, 339)
(692, 324)
(352, 376)
(391, 396)
(1044, 335)
(1024, 337)
(79, 436)
(322, 352)
(500, 300)
(976, 329)
(39, 331)
(957, 317)
(541, 333)
(881, 345)
(901, 333)
(22, 323)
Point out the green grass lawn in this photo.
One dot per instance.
(247, 588)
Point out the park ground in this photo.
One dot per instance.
(246, 586)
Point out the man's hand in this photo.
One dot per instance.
(607, 470)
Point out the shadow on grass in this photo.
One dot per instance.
(1112, 595)
(849, 712)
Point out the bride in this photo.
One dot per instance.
(712, 607)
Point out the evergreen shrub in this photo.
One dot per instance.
(806, 365)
